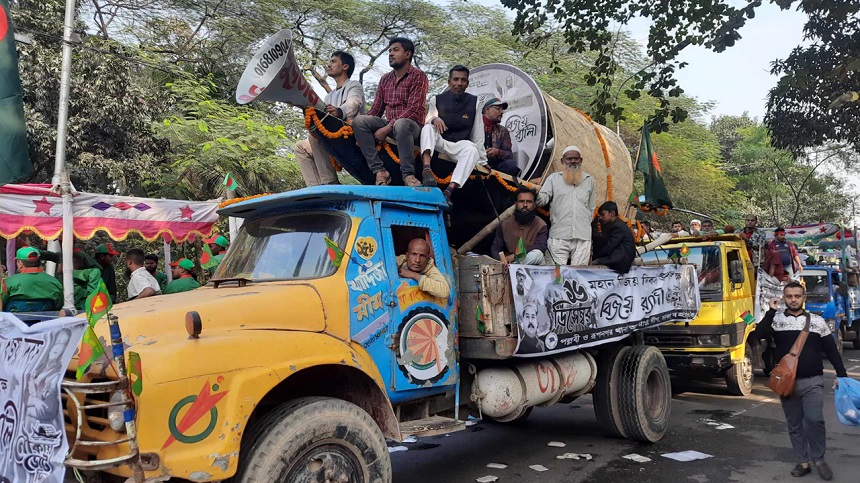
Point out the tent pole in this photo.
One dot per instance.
(167, 261)
(68, 243)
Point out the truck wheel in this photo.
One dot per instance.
(314, 439)
(645, 394)
(739, 377)
(605, 392)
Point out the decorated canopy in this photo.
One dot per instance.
(34, 207)
(811, 234)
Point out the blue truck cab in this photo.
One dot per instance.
(828, 294)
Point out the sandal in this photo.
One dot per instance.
(382, 178)
(412, 181)
(428, 179)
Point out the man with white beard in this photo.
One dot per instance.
(571, 194)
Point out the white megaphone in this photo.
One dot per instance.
(274, 75)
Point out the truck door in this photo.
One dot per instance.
(739, 298)
(421, 326)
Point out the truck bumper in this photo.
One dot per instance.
(710, 362)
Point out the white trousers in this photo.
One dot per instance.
(534, 257)
(464, 153)
(568, 252)
(314, 163)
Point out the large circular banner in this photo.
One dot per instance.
(525, 118)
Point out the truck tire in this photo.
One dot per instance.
(605, 392)
(314, 439)
(645, 394)
(739, 377)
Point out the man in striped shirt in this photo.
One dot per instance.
(402, 98)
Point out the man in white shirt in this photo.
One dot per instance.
(570, 194)
(345, 101)
(141, 283)
(454, 126)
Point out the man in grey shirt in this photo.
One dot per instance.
(571, 194)
(346, 101)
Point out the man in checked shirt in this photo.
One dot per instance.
(402, 98)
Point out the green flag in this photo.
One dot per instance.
(334, 252)
(207, 259)
(230, 182)
(520, 254)
(135, 372)
(479, 318)
(646, 162)
(14, 160)
(98, 303)
(90, 351)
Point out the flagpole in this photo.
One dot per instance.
(231, 221)
(60, 182)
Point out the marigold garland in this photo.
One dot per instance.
(311, 117)
(334, 164)
(237, 200)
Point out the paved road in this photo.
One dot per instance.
(756, 449)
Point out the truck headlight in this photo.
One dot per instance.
(709, 340)
(115, 416)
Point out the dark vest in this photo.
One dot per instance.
(458, 116)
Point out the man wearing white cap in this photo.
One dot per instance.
(695, 227)
(570, 194)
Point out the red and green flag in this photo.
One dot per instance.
(135, 371)
(747, 317)
(647, 163)
(520, 254)
(334, 252)
(98, 303)
(207, 259)
(91, 350)
(558, 278)
(14, 157)
(479, 318)
(230, 182)
(685, 250)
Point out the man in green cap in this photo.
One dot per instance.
(150, 262)
(218, 247)
(31, 289)
(105, 255)
(183, 277)
(85, 277)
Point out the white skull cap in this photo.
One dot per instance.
(571, 148)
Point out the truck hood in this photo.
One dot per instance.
(270, 305)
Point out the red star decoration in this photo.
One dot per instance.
(43, 206)
(186, 212)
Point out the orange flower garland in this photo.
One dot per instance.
(238, 200)
(311, 117)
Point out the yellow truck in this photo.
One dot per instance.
(302, 356)
(717, 343)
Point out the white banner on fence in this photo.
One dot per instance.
(34, 359)
(566, 308)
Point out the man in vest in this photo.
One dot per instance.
(183, 278)
(455, 127)
(31, 283)
(525, 226)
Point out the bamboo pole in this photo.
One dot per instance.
(490, 228)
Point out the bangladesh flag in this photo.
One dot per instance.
(334, 252)
(98, 303)
(646, 162)
(91, 350)
(479, 318)
(520, 254)
(135, 371)
(207, 259)
(14, 160)
(230, 182)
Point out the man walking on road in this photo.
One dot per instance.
(804, 409)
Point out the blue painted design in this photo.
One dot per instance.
(128, 415)
(115, 333)
(117, 350)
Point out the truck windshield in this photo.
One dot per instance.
(817, 286)
(284, 247)
(707, 263)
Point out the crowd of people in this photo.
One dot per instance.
(32, 289)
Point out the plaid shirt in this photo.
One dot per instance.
(755, 243)
(498, 136)
(406, 98)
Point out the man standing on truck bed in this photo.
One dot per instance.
(804, 410)
(402, 97)
(31, 283)
(570, 194)
(523, 227)
(345, 101)
(454, 126)
(105, 255)
(787, 252)
(613, 245)
(419, 266)
(754, 237)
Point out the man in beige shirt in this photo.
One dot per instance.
(418, 265)
(570, 194)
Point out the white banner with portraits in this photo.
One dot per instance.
(565, 308)
(33, 361)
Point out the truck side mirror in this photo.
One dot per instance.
(736, 271)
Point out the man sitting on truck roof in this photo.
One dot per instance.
(497, 138)
(454, 126)
(418, 265)
(524, 227)
(614, 245)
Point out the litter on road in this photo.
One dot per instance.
(410, 439)
(539, 467)
(689, 455)
(496, 466)
(395, 449)
(487, 479)
(556, 444)
(574, 456)
(637, 458)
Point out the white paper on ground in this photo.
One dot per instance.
(689, 455)
(637, 458)
(539, 467)
(395, 449)
(471, 423)
(496, 466)
(487, 479)
(574, 456)
(410, 439)
(725, 426)
(556, 444)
